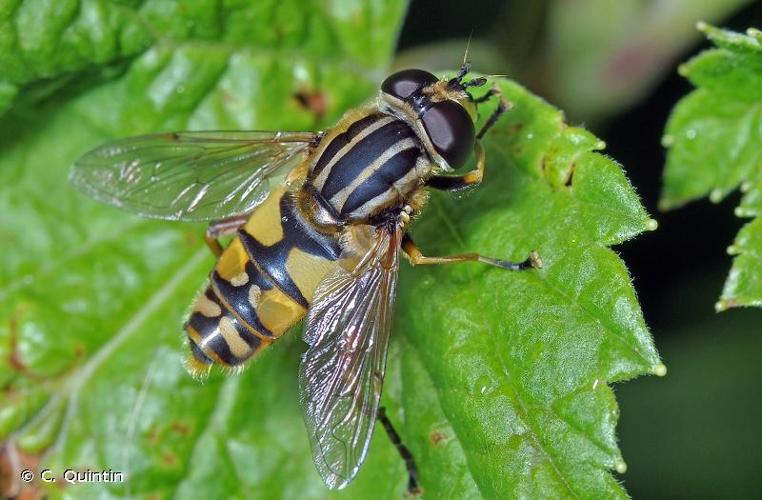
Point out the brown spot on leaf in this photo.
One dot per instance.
(570, 175)
(437, 437)
(180, 428)
(169, 458)
(79, 351)
(515, 128)
(314, 101)
(8, 389)
(152, 436)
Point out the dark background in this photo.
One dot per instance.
(696, 433)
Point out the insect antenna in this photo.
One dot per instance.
(468, 46)
(457, 81)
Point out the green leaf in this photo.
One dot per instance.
(519, 363)
(498, 381)
(713, 139)
(45, 46)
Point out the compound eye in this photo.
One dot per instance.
(405, 83)
(450, 130)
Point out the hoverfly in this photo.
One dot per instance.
(319, 220)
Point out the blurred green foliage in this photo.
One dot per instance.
(696, 433)
(714, 138)
(593, 58)
(602, 57)
(498, 381)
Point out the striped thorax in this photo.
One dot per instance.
(368, 164)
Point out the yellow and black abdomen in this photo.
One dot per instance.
(261, 286)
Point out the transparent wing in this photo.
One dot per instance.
(193, 176)
(342, 372)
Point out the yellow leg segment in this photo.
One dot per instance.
(417, 258)
(458, 182)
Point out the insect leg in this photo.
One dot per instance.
(458, 182)
(412, 472)
(487, 96)
(416, 257)
(222, 227)
(502, 107)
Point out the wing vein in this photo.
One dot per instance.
(342, 371)
(193, 176)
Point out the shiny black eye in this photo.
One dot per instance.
(404, 83)
(451, 131)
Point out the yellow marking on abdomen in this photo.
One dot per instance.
(275, 310)
(254, 294)
(207, 307)
(233, 261)
(238, 347)
(240, 279)
(307, 270)
(264, 225)
(278, 312)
